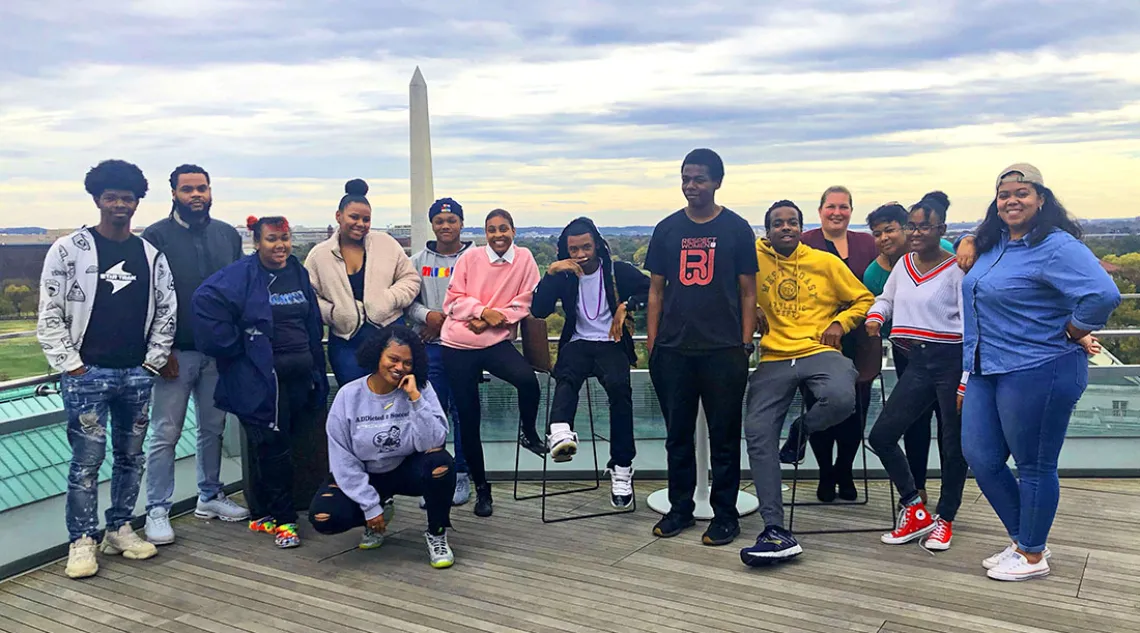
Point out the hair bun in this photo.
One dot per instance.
(250, 222)
(356, 187)
(937, 197)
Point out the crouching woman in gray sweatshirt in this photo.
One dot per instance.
(386, 437)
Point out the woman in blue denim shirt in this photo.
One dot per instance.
(1031, 299)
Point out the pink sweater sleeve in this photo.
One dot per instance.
(457, 304)
(519, 307)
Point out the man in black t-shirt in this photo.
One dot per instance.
(701, 317)
(106, 323)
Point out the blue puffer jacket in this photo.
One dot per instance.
(233, 322)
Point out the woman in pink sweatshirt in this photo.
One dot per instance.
(490, 292)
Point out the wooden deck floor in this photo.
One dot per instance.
(610, 574)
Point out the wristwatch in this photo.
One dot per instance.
(750, 348)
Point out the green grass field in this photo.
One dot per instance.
(22, 325)
(20, 358)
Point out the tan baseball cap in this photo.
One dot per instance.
(1020, 172)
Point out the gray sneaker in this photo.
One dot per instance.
(372, 540)
(462, 489)
(158, 529)
(221, 507)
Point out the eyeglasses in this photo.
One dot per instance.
(921, 228)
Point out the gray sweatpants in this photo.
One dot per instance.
(829, 376)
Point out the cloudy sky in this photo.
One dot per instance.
(560, 108)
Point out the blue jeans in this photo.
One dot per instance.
(438, 379)
(1024, 413)
(197, 375)
(122, 397)
(342, 356)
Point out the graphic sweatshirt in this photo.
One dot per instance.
(435, 272)
(369, 433)
(802, 295)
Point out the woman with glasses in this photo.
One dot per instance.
(923, 300)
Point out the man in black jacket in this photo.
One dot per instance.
(196, 246)
(597, 295)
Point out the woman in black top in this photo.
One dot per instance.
(259, 318)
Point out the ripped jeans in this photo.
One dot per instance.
(122, 397)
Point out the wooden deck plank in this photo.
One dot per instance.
(515, 574)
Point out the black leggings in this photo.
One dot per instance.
(465, 369)
(845, 437)
(269, 491)
(332, 512)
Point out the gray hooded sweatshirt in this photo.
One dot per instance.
(435, 275)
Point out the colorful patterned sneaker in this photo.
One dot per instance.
(939, 539)
(1008, 552)
(914, 522)
(1017, 567)
(286, 536)
(264, 524)
(439, 551)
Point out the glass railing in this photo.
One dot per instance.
(1104, 437)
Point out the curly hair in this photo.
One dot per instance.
(254, 224)
(887, 213)
(369, 352)
(186, 169)
(115, 174)
(781, 204)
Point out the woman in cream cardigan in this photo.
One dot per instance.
(363, 281)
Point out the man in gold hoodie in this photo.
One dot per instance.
(807, 299)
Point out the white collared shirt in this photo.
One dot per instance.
(506, 258)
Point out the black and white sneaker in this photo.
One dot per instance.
(621, 486)
(562, 442)
(774, 544)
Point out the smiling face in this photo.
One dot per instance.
(117, 207)
(355, 220)
(835, 212)
(890, 239)
(924, 231)
(500, 234)
(274, 246)
(784, 230)
(192, 195)
(1017, 206)
(698, 187)
(395, 363)
(447, 227)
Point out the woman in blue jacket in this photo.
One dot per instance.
(259, 318)
(1033, 293)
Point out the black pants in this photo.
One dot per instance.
(845, 437)
(607, 361)
(916, 441)
(465, 369)
(271, 460)
(933, 375)
(716, 379)
(332, 512)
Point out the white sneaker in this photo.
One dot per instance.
(127, 543)
(621, 486)
(221, 507)
(158, 529)
(562, 442)
(1000, 557)
(1017, 567)
(439, 551)
(81, 561)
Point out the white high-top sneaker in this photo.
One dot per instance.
(81, 561)
(124, 541)
(439, 552)
(562, 442)
(621, 486)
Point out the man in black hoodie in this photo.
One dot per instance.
(597, 295)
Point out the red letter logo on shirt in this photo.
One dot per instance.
(697, 257)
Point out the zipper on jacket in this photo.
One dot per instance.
(276, 382)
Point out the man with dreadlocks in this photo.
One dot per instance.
(597, 295)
